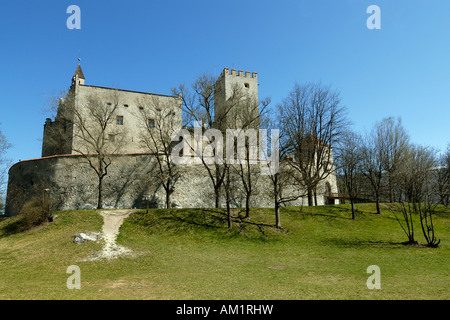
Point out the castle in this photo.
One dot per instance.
(64, 171)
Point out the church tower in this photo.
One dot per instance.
(236, 99)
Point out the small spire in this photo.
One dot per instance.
(78, 77)
(79, 72)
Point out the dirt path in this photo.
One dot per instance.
(112, 220)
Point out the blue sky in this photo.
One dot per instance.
(402, 70)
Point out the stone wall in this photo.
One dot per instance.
(131, 183)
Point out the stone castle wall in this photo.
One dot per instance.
(72, 184)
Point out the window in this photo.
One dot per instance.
(151, 123)
(125, 105)
(141, 108)
(112, 138)
(109, 104)
(246, 85)
(119, 120)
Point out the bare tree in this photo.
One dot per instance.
(227, 186)
(372, 164)
(426, 210)
(313, 120)
(198, 107)
(416, 173)
(416, 192)
(2, 204)
(198, 101)
(239, 112)
(281, 175)
(283, 183)
(240, 118)
(349, 162)
(442, 173)
(251, 116)
(4, 164)
(97, 132)
(393, 143)
(407, 210)
(384, 151)
(159, 122)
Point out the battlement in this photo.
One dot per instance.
(239, 73)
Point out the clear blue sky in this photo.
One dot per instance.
(402, 70)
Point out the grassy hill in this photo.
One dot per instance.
(189, 254)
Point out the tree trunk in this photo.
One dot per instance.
(310, 197)
(247, 205)
(168, 200)
(391, 190)
(377, 200)
(217, 196)
(100, 193)
(353, 209)
(315, 197)
(277, 215)
(227, 195)
(230, 223)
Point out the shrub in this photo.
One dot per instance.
(35, 212)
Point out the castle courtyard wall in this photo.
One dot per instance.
(72, 184)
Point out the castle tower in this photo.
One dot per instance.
(58, 133)
(236, 99)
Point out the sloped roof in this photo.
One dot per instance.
(79, 72)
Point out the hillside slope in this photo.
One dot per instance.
(189, 254)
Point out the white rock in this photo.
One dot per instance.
(84, 237)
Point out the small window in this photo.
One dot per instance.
(151, 123)
(112, 138)
(119, 120)
(109, 104)
(246, 85)
(125, 105)
(141, 107)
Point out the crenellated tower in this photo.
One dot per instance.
(236, 99)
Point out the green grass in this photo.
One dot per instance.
(190, 254)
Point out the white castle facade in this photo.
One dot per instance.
(71, 183)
